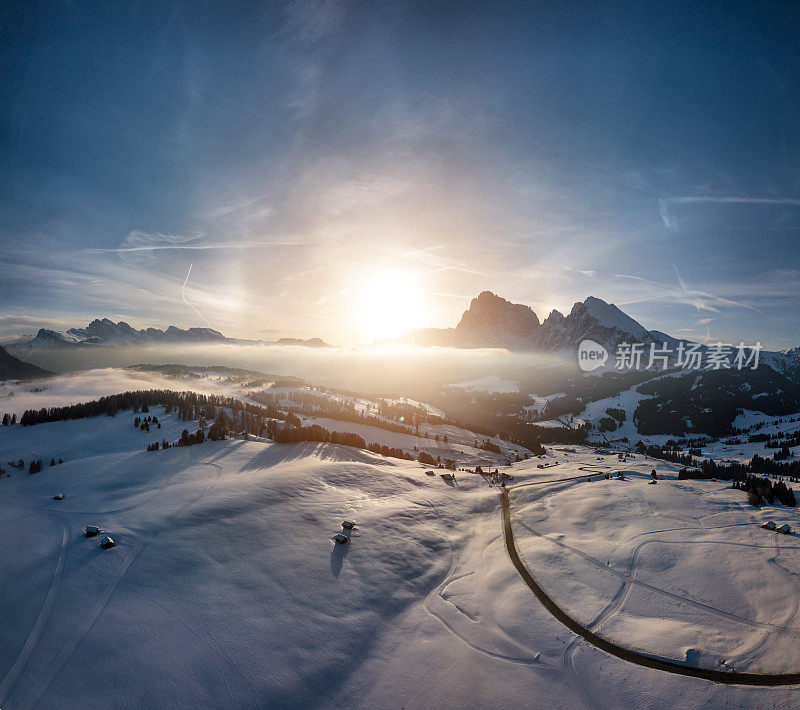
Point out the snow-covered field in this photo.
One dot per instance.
(680, 569)
(225, 590)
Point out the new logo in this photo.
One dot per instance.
(591, 355)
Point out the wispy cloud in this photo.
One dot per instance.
(138, 241)
(666, 204)
(589, 273)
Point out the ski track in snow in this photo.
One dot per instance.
(33, 637)
(630, 580)
(44, 683)
(205, 638)
(437, 594)
(124, 509)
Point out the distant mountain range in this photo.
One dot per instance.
(12, 368)
(105, 332)
(489, 322)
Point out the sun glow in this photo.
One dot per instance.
(388, 304)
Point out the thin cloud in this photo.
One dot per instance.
(196, 247)
(670, 221)
(590, 273)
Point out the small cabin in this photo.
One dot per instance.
(107, 542)
(348, 524)
(92, 530)
(785, 529)
(448, 476)
(340, 538)
(58, 496)
(769, 525)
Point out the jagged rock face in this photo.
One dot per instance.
(50, 335)
(106, 330)
(493, 322)
(592, 319)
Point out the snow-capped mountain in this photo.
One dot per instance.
(105, 332)
(592, 319)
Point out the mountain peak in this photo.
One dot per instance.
(609, 316)
(492, 321)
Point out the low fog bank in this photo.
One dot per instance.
(377, 368)
(88, 385)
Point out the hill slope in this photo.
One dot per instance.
(12, 368)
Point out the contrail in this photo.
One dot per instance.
(183, 296)
(198, 247)
(278, 124)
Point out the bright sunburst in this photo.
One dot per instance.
(388, 303)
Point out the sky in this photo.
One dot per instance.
(347, 170)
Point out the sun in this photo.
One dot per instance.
(388, 304)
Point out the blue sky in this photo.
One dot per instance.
(263, 169)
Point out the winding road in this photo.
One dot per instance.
(626, 654)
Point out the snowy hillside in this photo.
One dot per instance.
(225, 589)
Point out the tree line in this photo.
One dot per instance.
(188, 404)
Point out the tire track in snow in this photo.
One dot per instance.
(44, 683)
